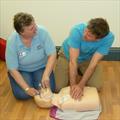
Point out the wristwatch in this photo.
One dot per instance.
(26, 89)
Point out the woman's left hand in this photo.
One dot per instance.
(45, 82)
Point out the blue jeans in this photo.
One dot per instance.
(32, 79)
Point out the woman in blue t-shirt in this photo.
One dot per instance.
(30, 57)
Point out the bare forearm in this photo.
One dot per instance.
(72, 72)
(18, 78)
(50, 65)
(91, 68)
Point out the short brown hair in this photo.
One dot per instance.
(21, 20)
(98, 27)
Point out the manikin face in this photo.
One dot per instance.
(29, 31)
(88, 36)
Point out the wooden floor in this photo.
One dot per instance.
(12, 109)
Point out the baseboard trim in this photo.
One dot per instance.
(114, 54)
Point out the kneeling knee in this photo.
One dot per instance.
(22, 96)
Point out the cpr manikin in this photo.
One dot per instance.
(63, 100)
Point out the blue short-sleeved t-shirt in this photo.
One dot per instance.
(18, 56)
(86, 48)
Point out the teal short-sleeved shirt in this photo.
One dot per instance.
(18, 56)
(86, 48)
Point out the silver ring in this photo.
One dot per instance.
(39, 85)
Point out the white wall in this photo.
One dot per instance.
(58, 16)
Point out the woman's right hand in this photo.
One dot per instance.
(32, 92)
